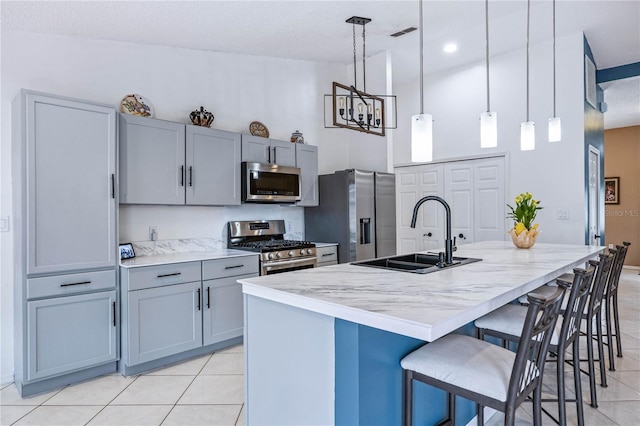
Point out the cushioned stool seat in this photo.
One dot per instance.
(475, 365)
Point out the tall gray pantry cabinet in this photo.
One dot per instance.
(65, 207)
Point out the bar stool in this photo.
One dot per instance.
(487, 374)
(506, 324)
(611, 303)
(593, 314)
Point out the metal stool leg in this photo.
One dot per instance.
(616, 321)
(562, 410)
(603, 369)
(577, 382)
(592, 374)
(607, 321)
(407, 401)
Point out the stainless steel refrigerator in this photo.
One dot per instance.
(358, 211)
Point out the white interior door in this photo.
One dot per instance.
(594, 198)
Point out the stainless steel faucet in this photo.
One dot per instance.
(448, 244)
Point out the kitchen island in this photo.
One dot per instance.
(322, 346)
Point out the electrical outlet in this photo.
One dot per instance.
(562, 214)
(153, 233)
(288, 226)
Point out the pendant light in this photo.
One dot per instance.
(527, 128)
(555, 123)
(488, 119)
(421, 124)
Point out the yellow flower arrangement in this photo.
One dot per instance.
(524, 231)
(524, 213)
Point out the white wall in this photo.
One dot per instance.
(285, 95)
(554, 173)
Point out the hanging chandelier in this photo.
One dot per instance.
(356, 109)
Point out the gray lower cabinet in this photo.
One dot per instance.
(70, 333)
(222, 316)
(162, 162)
(271, 151)
(307, 162)
(327, 255)
(164, 321)
(175, 311)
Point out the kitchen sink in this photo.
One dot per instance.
(418, 263)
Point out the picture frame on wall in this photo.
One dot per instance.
(612, 190)
(126, 251)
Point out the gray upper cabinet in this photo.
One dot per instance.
(152, 161)
(272, 151)
(307, 161)
(213, 166)
(70, 163)
(162, 162)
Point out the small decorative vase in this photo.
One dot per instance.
(526, 239)
(201, 118)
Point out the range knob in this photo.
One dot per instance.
(278, 255)
(270, 256)
(291, 253)
(308, 251)
(302, 252)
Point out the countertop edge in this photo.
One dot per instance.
(183, 257)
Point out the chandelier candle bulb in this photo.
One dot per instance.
(341, 102)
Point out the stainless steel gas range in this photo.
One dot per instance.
(266, 237)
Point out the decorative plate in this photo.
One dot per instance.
(256, 128)
(135, 104)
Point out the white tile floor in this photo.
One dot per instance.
(209, 390)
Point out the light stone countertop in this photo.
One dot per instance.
(423, 306)
(180, 257)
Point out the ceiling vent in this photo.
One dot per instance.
(403, 32)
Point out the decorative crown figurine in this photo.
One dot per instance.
(201, 117)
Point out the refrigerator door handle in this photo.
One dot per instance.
(365, 230)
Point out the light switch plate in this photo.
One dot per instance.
(4, 224)
(562, 214)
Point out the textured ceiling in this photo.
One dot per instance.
(316, 30)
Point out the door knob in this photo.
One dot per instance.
(595, 237)
(427, 235)
(461, 235)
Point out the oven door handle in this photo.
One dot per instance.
(274, 266)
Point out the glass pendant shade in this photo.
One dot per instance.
(488, 129)
(555, 129)
(421, 138)
(527, 136)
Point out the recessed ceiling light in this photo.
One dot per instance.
(450, 47)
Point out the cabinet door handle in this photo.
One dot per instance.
(181, 175)
(113, 185)
(170, 275)
(114, 313)
(198, 299)
(208, 297)
(327, 254)
(190, 176)
(268, 154)
(274, 156)
(70, 284)
(234, 266)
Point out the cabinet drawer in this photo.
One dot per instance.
(161, 275)
(229, 267)
(59, 285)
(327, 254)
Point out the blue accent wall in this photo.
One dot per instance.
(594, 136)
(369, 379)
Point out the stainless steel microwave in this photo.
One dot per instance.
(270, 183)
